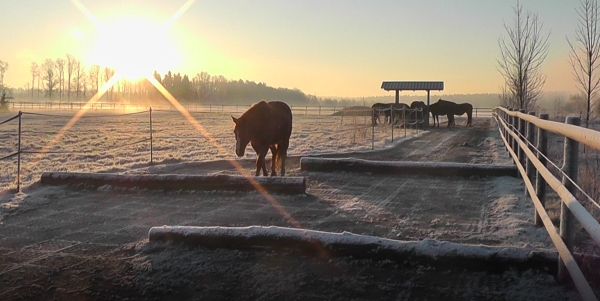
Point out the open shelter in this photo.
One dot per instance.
(414, 86)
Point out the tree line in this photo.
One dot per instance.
(68, 79)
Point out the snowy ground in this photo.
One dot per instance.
(81, 243)
(111, 142)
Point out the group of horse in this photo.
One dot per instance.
(268, 125)
(392, 112)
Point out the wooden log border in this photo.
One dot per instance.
(406, 167)
(284, 185)
(318, 243)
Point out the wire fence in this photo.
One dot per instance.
(191, 107)
(103, 140)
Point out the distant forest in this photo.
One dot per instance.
(67, 79)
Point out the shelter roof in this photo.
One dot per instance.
(412, 85)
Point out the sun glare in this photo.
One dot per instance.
(135, 47)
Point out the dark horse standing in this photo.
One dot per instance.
(436, 110)
(457, 109)
(418, 116)
(265, 126)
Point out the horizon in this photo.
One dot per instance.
(344, 48)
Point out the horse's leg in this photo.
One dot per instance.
(264, 162)
(273, 160)
(258, 165)
(469, 118)
(282, 155)
(260, 161)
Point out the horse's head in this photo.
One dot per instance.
(242, 136)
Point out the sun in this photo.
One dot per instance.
(134, 47)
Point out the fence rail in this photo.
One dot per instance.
(224, 108)
(518, 131)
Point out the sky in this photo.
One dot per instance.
(341, 48)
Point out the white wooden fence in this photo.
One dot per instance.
(528, 150)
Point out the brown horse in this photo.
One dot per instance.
(265, 126)
(436, 110)
(457, 109)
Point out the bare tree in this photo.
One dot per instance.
(505, 97)
(60, 72)
(71, 65)
(39, 80)
(521, 58)
(107, 75)
(35, 72)
(94, 77)
(48, 71)
(3, 68)
(558, 106)
(585, 53)
(79, 77)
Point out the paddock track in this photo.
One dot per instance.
(78, 243)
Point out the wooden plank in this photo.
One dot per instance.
(405, 167)
(286, 185)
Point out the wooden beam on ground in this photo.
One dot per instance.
(327, 244)
(406, 167)
(286, 185)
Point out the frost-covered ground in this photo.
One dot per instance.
(117, 142)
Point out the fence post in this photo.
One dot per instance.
(404, 120)
(530, 140)
(151, 141)
(540, 183)
(505, 118)
(521, 136)
(354, 131)
(513, 127)
(19, 156)
(392, 120)
(567, 220)
(373, 129)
